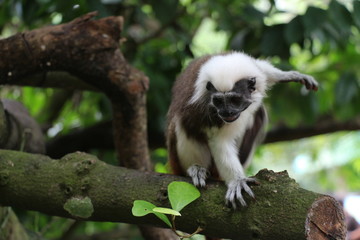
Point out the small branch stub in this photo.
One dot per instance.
(325, 220)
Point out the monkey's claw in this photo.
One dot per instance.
(198, 175)
(309, 82)
(234, 191)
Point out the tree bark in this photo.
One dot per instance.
(282, 210)
(84, 54)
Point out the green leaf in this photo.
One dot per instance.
(273, 42)
(356, 13)
(164, 10)
(347, 88)
(313, 15)
(294, 31)
(341, 18)
(181, 194)
(142, 208)
(163, 218)
(166, 211)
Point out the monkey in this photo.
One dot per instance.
(216, 118)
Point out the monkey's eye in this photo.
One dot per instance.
(210, 87)
(251, 84)
(217, 101)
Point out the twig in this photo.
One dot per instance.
(182, 236)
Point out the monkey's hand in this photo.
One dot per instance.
(234, 191)
(294, 76)
(198, 175)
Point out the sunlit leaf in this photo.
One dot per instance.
(142, 208)
(181, 194)
(166, 211)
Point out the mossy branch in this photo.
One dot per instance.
(282, 210)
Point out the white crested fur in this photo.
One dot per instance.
(223, 71)
(191, 152)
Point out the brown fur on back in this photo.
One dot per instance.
(182, 91)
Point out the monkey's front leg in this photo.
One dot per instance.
(231, 171)
(275, 75)
(198, 175)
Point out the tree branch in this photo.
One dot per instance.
(78, 140)
(53, 108)
(39, 183)
(85, 49)
(18, 130)
(328, 125)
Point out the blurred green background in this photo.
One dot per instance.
(316, 37)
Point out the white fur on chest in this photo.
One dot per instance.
(232, 131)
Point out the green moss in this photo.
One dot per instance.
(4, 178)
(79, 207)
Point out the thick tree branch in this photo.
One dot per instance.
(84, 49)
(39, 183)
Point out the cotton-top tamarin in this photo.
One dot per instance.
(217, 117)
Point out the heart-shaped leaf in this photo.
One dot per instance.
(142, 208)
(181, 194)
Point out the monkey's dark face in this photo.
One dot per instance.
(230, 104)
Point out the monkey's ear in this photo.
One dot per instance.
(210, 87)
